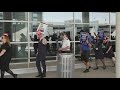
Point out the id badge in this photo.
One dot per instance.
(96, 48)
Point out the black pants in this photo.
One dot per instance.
(40, 62)
(8, 71)
(35, 47)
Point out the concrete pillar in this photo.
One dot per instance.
(118, 45)
(85, 19)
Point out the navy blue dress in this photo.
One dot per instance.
(110, 54)
(98, 49)
(41, 58)
(41, 50)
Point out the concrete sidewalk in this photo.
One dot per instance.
(109, 72)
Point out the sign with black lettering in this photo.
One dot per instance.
(101, 34)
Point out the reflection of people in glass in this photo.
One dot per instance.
(23, 39)
(5, 56)
(41, 55)
(35, 45)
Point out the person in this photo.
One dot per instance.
(47, 46)
(5, 56)
(99, 52)
(109, 51)
(85, 54)
(41, 55)
(65, 44)
(54, 38)
(35, 45)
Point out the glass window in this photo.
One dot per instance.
(35, 16)
(17, 16)
(17, 31)
(18, 66)
(78, 17)
(20, 50)
(113, 18)
(57, 16)
(113, 32)
(101, 17)
(113, 25)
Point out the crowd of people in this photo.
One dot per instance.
(100, 53)
(41, 47)
(51, 48)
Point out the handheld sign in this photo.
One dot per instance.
(90, 38)
(101, 34)
(40, 30)
(83, 37)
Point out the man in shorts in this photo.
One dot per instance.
(85, 54)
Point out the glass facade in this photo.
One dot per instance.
(21, 27)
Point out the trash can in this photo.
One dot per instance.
(65, 65)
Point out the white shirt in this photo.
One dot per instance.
(66, 43)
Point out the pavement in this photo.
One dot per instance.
(109, 72)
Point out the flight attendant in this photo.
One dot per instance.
(109, 50)
(99, 54)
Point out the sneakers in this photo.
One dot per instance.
(96, 68)
(41, 75)
(89, 67)
(113, 65)
(87, 70)
(38, 75)
(104, 67)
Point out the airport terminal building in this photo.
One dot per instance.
(21, 27)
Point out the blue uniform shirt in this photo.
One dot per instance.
(85, 47)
